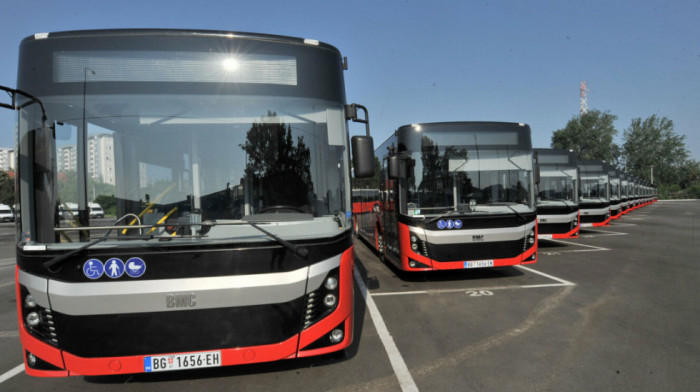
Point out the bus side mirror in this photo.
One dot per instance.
(394, 167)
(363, 156)
(537, 173)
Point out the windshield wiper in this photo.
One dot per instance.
(453, 212)
(300, 251)
(508, 204)
(60, 259)
(566, 202)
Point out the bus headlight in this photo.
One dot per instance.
(330, 300)
(29, 301)
(331, 283)
(33, 319)
(31, 359)
(336, 336)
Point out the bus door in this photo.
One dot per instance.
(390, 218)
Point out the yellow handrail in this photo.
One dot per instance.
(150, 206)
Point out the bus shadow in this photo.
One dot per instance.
(374, 283)
(252, 369)
(457, 275)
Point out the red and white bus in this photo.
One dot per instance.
(594, 193)
(616, 200)
(222, 161)
(453, 195)
(557, 194)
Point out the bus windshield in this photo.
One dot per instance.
(594, 187)
(557, 185)
(472, 170)
(175, 138)
(595, 182)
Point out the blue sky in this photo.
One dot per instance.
(422, 61)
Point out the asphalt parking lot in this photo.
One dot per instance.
(616, 309)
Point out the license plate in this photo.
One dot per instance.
(544, 236)
(586, 224)
(163, 363)
(478, 264)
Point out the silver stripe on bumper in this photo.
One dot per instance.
(143, 296)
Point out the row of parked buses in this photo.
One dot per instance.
(586, 193)
(476, 194)
(230, 155)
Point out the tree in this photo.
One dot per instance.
(591, 136)
(653, 142)
(279, 168)
(7, 189)
(108, 204)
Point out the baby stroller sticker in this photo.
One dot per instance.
(135, 267)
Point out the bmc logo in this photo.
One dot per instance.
(180, 300)
(478, 238)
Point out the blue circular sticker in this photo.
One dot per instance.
(114, 268)
(458, 224)
(135, 267)
(450, 224)
(441, 224)
(93, 269)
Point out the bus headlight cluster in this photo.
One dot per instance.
(324, 300)
(529, 240)
(417, 245)
(414, 242)
(37, 319)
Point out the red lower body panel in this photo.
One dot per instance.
(72, 365)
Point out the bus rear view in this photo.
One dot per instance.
(226, 157)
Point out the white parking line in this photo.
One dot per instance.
(603, 233)
(11, 373)
(578, 244)
(9, 334)
(397, 363)
(561, 282)
(467, 289)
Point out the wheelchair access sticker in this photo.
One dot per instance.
(93, 269)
